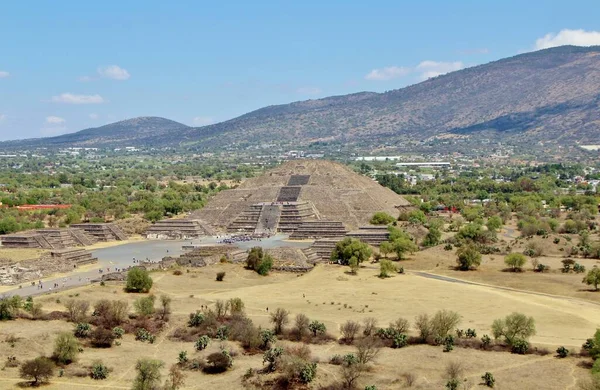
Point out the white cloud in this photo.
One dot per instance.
(4, 74)
(309, 90)
(429, 69)
(388, 73)
(85, 79)
(113, 72)
(568, 37)
(94, 116)
(71, 98)
(2, 117)
(55, 120)
(203, 120)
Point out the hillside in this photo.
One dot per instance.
(551, 95)
(146, 131)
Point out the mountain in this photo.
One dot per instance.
(550, 96)
(146, 131)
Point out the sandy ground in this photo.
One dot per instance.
(332, 296)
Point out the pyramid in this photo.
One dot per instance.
(317, 193)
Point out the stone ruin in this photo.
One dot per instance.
(48, 239)
(178, 229)
(56, 261)
(102, 231)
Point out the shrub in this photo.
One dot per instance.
(452, 384)
(271, 357)
(99, 371)
(349, 331)
(138, 280)
(143, 335)
(39, 370)
(177, 272)
(381, 218)
(196, 319)
(118, 332)
(236, 306)
(592, 278)
(102, 338)
(220, 276)
(367, 350)
(279, 318)
(448, 247)
(562, 352)
(317, 328)
(110, 313)
(370, 325)
(77, 309)
(468, 258)
(182, 357)
(401, 325)
(578, 268)
(267, 337)
(144, 306)
(308, 372)
(400, 340)
(513, 327)
(385, 268)
(259, 261)
(223, 332)
(66, 348)
(443, 322)
(302, 322)
(350, 250)
(423, 324)
(148, 374)
(82, 330)
(219, 362)
(485, 341)
(448, 343)
(202, 343)
(516, 261)
(488, 379)
(519, 346)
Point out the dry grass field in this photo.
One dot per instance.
(332, 296)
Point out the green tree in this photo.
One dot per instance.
(403, 245)
(350, 250)
(494, 223)
(381, 218)
(138, 280)
(386, 248)
(148, 374)
(66, 348)
(592, 278)
(515, 326)
(515, 260)
(468, 257)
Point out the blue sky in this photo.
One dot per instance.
(71, 65)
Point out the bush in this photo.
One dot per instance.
(66, 348)
(219, 362)
(236, 306)
(144, 306)
(381, 218)
(82, 330)
(196, 319)
(99, 371)
(110, 314)
(279, 318)
(102, 338)
(443, 322)
(39, 370)
(516, 261)
(223, 332)
(349, 331)
(351, 251)
(271, 356)
(308, 372)
(77, 309)
(385, 268)
(370, 326)
(148, 374)
(182, 357)
(138, 280)
(488, 379)
(202, 343)
(519, 346)
(562, 352)
(259, 261)
(486, 341)
(220, 276)
(592, 277)
(302, 322)
(400, 340)
(468, 258)
(317, 328)
(118, 332)
(143, 335)
(514, 327)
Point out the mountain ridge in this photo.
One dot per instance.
(551, 95)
